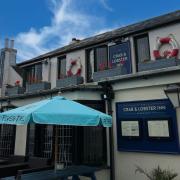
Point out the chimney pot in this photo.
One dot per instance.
(74, 40)
(12, 44)
(6, 44)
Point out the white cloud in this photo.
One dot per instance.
(106, 6)
(66, 22)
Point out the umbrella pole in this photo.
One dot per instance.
(56, 147)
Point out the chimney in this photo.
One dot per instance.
(6, 43)
(12, 44)
(74, 40)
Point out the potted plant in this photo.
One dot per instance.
(158, 64)
(71, 80)
(15, 90)
(35, 85)
(157, 173)
(105, 71)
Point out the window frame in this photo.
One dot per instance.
(32, 70)
(59, 66)
(136, 37)
(95, 59)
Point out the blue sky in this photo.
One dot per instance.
(39, 26)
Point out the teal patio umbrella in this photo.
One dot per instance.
(56, 111)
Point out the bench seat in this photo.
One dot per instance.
(73, 171)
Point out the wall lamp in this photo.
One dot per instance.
(173, 94)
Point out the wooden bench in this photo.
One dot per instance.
(31, 164)
(12, 169)
(42, 174)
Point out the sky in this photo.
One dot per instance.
(39, 26)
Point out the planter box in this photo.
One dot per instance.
(158, 64)
(38, 86)
(69, 81)
(15, 90)
(100, 75)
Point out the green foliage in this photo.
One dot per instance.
(157, 173)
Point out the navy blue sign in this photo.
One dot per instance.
(120, 55)
(138, 115)
(145, 108)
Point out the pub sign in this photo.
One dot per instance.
(120, 55)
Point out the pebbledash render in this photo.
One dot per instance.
(123, 72)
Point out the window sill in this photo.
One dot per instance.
(100, 75)
(38, 86)
(158, 64)
(15, 90)
(69, 81)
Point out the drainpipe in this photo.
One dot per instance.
(108, 95)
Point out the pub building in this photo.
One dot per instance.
(131, 73)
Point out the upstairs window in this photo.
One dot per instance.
(97, 60)
(2, 56)
(61, 67)
(101, 58)
(142, 48)
(33, 74)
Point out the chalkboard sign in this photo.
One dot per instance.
(120, 55)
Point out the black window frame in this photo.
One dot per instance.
(95, 60)
(35, 145)
(136, 37)
(32, 70)
(59, 67)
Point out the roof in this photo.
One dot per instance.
(120, 32)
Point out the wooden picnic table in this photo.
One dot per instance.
(11, 169)
(73, 171)
(3, 161)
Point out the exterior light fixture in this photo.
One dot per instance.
(173, 94)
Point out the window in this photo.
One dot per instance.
(40, 143)
(90, 142)
(142, 48)
(2, 56)
(61, 67)
(101, 57)
(33, 74)
(90, 65)
(97, 60)
(7, 140)
(94, 146)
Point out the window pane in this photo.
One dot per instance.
(7, 140)
(40, 140)
(33, 74)
(62, 68)
(142, 47)
(93, 146)
(38, 72)
(2, 56)
(90, 65)
(101, 58)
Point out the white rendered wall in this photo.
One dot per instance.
(164, 32)
(125, 161)
(20, 141)
(77, 55)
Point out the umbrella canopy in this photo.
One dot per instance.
(56, 111)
